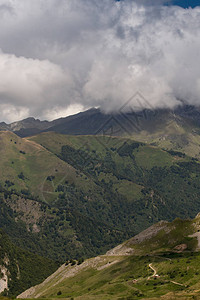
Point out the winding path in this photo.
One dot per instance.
(154, 270)
(155, 274)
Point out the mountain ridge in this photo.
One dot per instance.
(125, 272)
(94, 121)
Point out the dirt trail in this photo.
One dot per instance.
(154, 270)
(174, 282)
(156, 275)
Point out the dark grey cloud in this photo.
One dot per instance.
(61, 56)
(5, 9)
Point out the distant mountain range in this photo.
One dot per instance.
(93, 121)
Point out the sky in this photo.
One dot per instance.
(186, 3)
(58, 57)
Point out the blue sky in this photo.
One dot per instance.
(186, 3)
(182, 3)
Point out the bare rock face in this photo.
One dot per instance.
(3, 279)
(180, 248)
(120, 250)
(30, 212)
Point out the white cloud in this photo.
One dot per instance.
(96, 53)
(28, 85)
(11, 112)
(58, 112)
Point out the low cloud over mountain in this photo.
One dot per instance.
(61, 56)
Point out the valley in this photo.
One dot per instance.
(73, 197)
(100, 149)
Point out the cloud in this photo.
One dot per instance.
(66, 111)
(12, 112)
(30, 85)
(57, 55)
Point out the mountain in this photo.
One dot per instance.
(28, 126)
(70, 197)
(38, 223)
(94, 121)
(160, 262)
(82, 123)
(140, 178)
(21, 269)
(77, 196)
(177, 129)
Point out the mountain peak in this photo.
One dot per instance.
(93, 120)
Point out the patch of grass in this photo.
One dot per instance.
(117, 281)
(129, 189)
(149, 157)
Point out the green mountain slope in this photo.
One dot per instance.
(31, 222)
(161, 261)
(52, 232)
(78, 196)
(142, 182)
(20, 269)
(173, 134)
(26, 164)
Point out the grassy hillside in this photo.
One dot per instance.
(161, 261)
(32, 223)
(174, 135)
(26, 164)
(145, 182)
(21, 269)
(81, 195)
